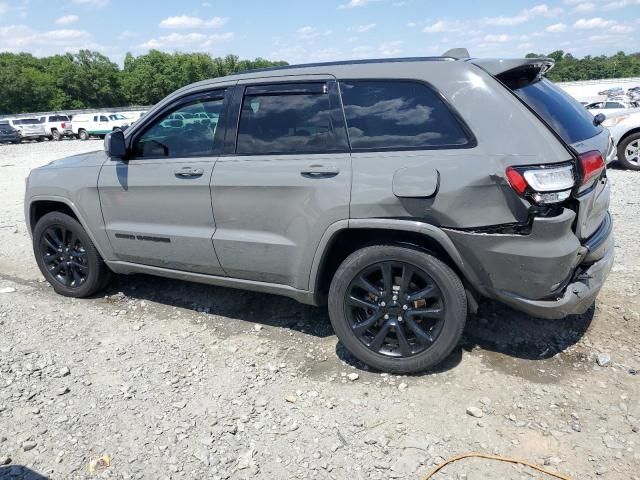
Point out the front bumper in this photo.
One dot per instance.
(547, 273)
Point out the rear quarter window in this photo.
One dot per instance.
(388, 115)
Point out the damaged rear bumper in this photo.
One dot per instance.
(577, 297)
(547, 273)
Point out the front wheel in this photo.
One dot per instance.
(397, 309)
(67, 257)
(629, 152)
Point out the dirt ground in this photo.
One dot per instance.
(177, 380)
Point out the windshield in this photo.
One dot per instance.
(562, 112)
(117, 117)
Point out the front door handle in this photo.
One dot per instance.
(189, 172)
(320, 171)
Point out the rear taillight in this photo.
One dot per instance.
(592, 165)
(63, 125)
(542, 184)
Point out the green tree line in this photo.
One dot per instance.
(569, 68)
(90, 80)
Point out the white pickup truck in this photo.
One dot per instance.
(97, 124)
(625, 132)
(57, 126)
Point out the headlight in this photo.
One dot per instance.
(612, 122)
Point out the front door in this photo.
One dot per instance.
(157, 204)
(284, 179)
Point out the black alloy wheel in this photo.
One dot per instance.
(67, 257)
(64, 256)
(395, 309)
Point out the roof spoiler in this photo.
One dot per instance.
(499, 66)
(457, 53)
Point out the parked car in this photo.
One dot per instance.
(612, 92)
(625, 133)
(57, 126)
(610, 106)
(8, 133)
(401, 192)
(634, 94)
(98, 124)
(29, 128)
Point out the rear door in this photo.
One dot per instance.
(283, 180)
(157, 204)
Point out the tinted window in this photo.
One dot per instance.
(398, 115)
(103, 118)
(287, 123)
(173, 136)
(614, 105)
(564, 114)
(58, 118)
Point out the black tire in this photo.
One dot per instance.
(451, 305)
(625, 148)
(83, 135)
(55, 135)
(87, 273)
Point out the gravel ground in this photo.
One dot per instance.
(177, 380)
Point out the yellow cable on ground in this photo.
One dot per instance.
(494, 457)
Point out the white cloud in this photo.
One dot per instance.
(192, 40)
(4, 8)
(185, 21)
(307, 32)
(505, 21)
(596, 22)
(354, 4)
(556, 28)
(621, 29)
(445, 26)
(620, 4)
(497, 38)
(92, 3)
(21, 38)
(364, 28)
(584, 7)
(67, 20)
(392, 48)
(542, 10)
(127, 34)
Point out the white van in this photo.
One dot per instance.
(97, 124)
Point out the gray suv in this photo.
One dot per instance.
(401, 192)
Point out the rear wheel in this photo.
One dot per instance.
(55, 135)
(629, 152)
(397, 309)
(83, 135)
(67, 257)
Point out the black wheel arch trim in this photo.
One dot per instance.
(431, 231)
(63, 200)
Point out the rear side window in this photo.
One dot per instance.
(296, 119)
(399, 115)
(562, 112)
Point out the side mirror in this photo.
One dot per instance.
(598, 119)
(114, 144)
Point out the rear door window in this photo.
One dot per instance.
(558, 109)
(399, 115)
(282, 119)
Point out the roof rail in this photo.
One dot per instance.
(457, 53)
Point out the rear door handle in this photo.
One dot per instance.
(320, 171)
(189, 172)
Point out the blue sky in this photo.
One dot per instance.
(307, 31)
